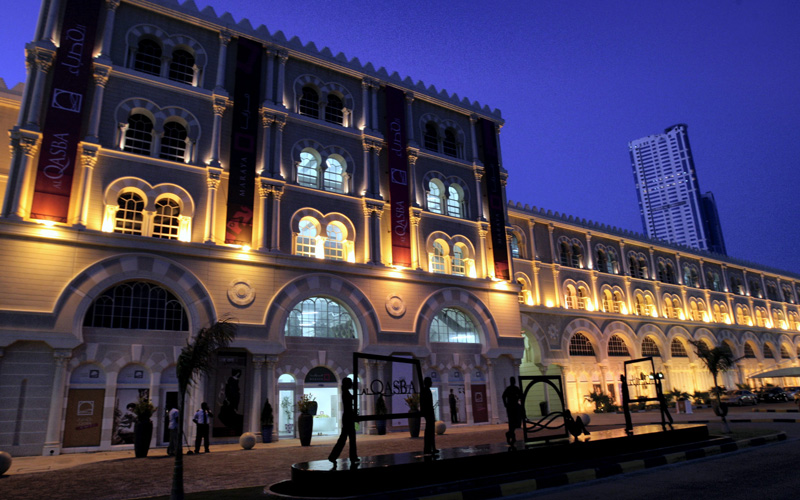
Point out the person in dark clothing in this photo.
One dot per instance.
(512, 400)
(426, 407)
(453, 407)
(202, 418)
(348, 425)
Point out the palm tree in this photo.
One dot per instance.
(717, 360)
(196, 357)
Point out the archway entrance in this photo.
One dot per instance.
(321, 384)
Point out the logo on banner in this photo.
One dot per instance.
(66, 100)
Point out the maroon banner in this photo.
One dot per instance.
(66, 106)
(494, 194)
(244, 143)
(398, 176)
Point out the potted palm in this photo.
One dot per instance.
(307, 405)
(267, 421)
(412, 401)
(380, 410)
(143, 427)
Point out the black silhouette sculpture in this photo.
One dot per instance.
(426, 408)
(348, 425)
(512, 400)
(575, 426)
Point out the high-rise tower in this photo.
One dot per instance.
(670, 202)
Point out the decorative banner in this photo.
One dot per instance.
(66, 105)
(494, 194)
(398, 176)
(229, 400)
(244, 143)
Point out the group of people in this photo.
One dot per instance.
(202, 419)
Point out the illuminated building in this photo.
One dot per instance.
(275, 202)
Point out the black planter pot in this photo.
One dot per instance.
(142, 433)
(413, 426)
(305, 426)
(266, 433)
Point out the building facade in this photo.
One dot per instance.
(669, 196)
(327, 207)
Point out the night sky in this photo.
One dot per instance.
(576, 81)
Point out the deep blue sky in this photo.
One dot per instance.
(577, 80)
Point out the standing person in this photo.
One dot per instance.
(426, 407)
(512, 400)
(348, 425)
(174, 444)
(202, 418)
(453, 407)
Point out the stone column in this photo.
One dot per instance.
(100, 80)
(275, 232)
(24, 146)
(483, 230)
(264, 191)
(478, 172)
(415, 216)
(473, 120)
(410, 117)
(468, 409)
(52, 440)
(257, 400)
(44, 60)
(491, 391)
(108, 29)
(224, 40)
(270, 74)
(49, 27)
(277, 162)
(372, 215)
(266, 168)
(88, 160)
(365, 104)
(374, 171)
(374, 91)
(537, 298)
(363, 189)
(412, 175)
(214, 175)
(219, 104)
(283, 55)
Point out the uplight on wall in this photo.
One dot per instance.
(548, 303)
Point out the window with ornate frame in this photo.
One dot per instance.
(139, 135)
(306, 242)
(130, 214)
(580, 345)
(320, 317)
(334, 110)
(438, 258)
(309, 102)
(137, 305)
(173, 142)
(677, 349)
(650, 348)
(435, 195)
(449, 144)
(333, 177)
(326, 238)
(334, 244)
(617, 346)
(166, 221)
(749, 352)
(454, 326)
(148, 57)
(455, 201)
(431, 138)
(181, 67)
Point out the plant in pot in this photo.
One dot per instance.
(307, 405)
(143, 427)
(380, 410)
(412, 401)
(288, 410)
(267, 421)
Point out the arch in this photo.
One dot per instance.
(525, 294)
(625, 332)
(149, 193)
(82, 291)
(323, 285)
(465, 301)
(159, 116)
(521, 243)
(323, 89)
(585, 327)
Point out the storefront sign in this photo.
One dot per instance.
(494, 194)
(320, 375)
(244, 143)
(82, 424)
(388, 388)
(398, 176)
(66, 107)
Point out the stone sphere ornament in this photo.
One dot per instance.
(247, 440)
(440, 427)
(585, 418)
(5, 462)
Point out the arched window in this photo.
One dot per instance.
(139, 135)
(306, 244)
(309, 102)
(449, 144)
(166, 222)
(431, 138)
(458, 264)
(320, 317)
(613, 262)
(453, 325)
(601, 261)
(644, 272)
(308, 168)
(148, 57)
(670, 273)
(617, 347)
(677, 349)
(173, 144)
(334, 245)
(130, 214)
(768, 354)
(565, 254)
(577, 256)
(137, 305)
(523, 291)
(514, 244)
(435, 194)
(650, 348)
(438, 258)
(181, 68)
(333, 178)
(788, 295)
(454, 201)
(784, 352)
(334, 111)
(579, 345)
(743, 315)
(749, 352)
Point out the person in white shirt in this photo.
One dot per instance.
(202, 418)
(174, 444)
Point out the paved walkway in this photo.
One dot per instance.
(118, 475)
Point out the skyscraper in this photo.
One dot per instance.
(669, 196)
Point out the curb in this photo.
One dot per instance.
(772, 410)
(786, 420)
(608, 470)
